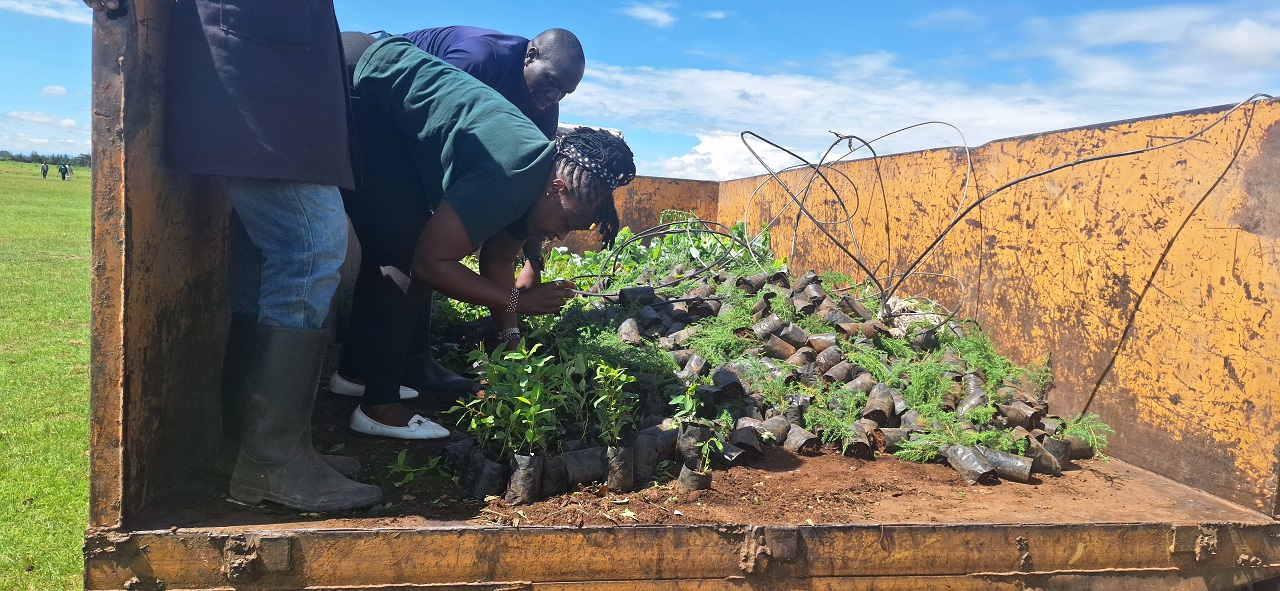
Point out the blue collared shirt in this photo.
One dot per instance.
(493, 58)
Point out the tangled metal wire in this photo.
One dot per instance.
(684, 226)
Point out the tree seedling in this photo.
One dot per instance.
(407, 473)
(687, 405)
(614, 406)
(1090, 429)
(516, 411)
(709, 448)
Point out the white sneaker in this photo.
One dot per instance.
(419, 427)
(341, 386)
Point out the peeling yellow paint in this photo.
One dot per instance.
(1075, 557)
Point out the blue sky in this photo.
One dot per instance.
(682, 79)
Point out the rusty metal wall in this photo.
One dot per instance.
(158, 285)
(641, 203)
(1056, 265)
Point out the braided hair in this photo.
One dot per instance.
(594, 162)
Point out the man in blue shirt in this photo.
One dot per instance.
(533, 74)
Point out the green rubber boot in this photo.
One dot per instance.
(277, 461)
(235, 365)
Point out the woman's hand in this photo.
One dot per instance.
(529, 276)
(545, 298)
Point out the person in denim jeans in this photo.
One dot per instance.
(290, 246)
(255, 94)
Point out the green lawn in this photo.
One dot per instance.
(44, 377)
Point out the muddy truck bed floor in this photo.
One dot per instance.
(781, 489)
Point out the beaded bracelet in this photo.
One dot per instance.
(515, 298)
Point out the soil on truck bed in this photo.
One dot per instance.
(783, 488)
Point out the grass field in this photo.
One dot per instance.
(44, 377)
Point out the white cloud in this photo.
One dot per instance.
(1245, 41)
(867, 67)
(951, 18)
(657, 14)
(1145, 25)
(41, 141)
(67, 10)
(32, 117)
(1181, 52)
(54, 90)
(868, 98)
(42, 119)
(715, 14)
(718, 155)
(25, 142)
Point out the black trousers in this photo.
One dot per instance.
(386, 303)
(388, 210)
(384, 310)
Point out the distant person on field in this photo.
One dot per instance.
(533, 75)
(70, 171)
(44, 170)
(62, 170)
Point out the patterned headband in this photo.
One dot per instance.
(603, 154)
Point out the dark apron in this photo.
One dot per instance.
(255, 89)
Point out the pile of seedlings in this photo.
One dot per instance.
(704, 370)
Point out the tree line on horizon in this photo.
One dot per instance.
(83, 160)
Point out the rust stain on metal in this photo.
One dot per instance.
(157, 290)
(754, 551)
(1024, 554)
(1260, 213)
(107, 284)
(761, 545)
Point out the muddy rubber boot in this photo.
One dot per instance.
(277, 462)
(235, 364)
(422, 372)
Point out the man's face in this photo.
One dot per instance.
(548, 82)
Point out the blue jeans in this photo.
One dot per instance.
(285, 257)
